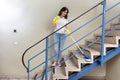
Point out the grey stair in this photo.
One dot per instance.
(113, 25)
(100, 35)
(70, 65)
(80, 58)
(60, 73)
(108, 39)
(96, 47)
(117, 27)
(114, 33)
(93, 51)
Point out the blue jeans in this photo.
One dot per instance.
(58, 47)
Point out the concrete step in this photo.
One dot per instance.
(93, 51)
(114, 33)
(60, 73)
(97, 46)
(80, 59)
(111, 40)
(113, 25)
(70, 65)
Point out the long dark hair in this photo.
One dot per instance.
(64, 9)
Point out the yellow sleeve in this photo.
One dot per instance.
(55, 19)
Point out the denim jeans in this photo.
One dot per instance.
(58, 47)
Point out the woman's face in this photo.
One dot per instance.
(64, 13)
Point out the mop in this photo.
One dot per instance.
(83, 54)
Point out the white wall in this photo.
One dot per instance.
(32, 19)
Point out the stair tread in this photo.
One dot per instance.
(114, 24)
(108, 45)
(93, 51)
(100, 35)
(97, 46)
(80, 57)
(60, 73)
(84, 51)
(108, 40)
(90, 40)
(70, 64)
(113, 33)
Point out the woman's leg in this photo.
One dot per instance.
(56, 46)
(62, 42)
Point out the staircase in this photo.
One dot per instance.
(100, 49)
(74, 65)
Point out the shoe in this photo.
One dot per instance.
(54, 64)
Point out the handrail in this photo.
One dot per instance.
(55, 32)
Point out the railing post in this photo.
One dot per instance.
(28, 69)
(46, 61)
(103, 32)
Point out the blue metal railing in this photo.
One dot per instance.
(47, 40)
(85, 47)
(76, 30)
(81, 39)
(69, 35)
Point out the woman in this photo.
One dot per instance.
(59, 21)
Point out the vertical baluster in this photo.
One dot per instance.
(46, 61)
(28, 69)
(103, 31)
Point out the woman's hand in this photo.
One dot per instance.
(67, 30)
